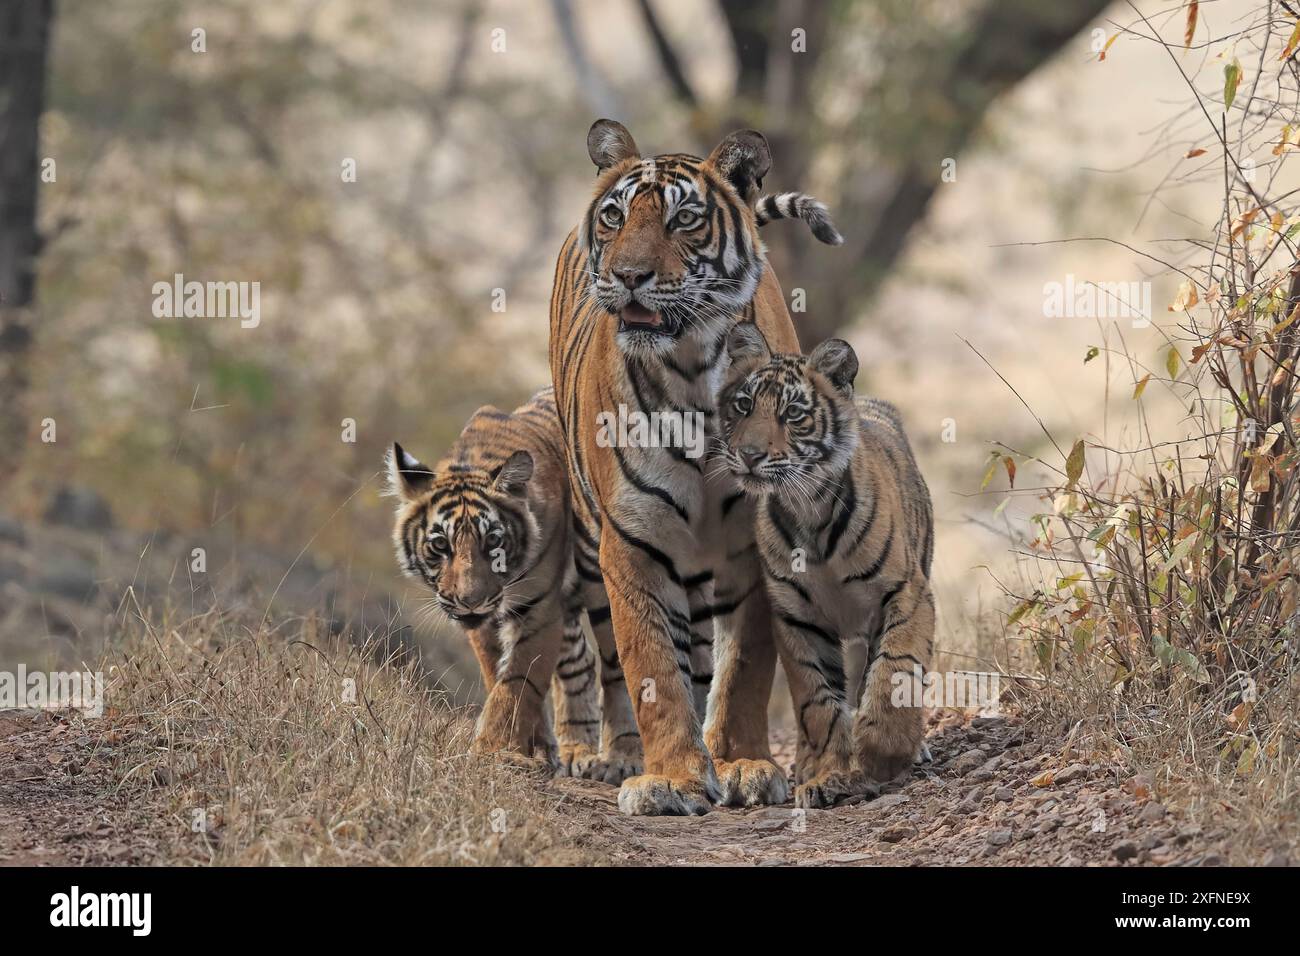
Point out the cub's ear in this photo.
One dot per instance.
(407, 477)
(743, 159)
(745, 343)
(512, 477)
(836, 359)
(609, 143)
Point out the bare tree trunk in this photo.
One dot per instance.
(880, 204)
(24, 43)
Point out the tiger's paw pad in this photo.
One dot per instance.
(751, 783)
(826, 790)
(651, 795)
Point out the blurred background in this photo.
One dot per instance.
(383, 168)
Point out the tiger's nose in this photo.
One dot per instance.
(633, 278)
(750, 455)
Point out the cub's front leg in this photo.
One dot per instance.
(651, 621)
(888, 732)
(514, 717)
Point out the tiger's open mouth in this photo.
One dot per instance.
(635, 317)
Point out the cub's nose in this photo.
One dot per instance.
(633, 278)
(750, 455)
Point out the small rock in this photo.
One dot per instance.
(897, 833)
(1278, 858)
(848, 857)
(1152, 813)
(1075, 771)
(1151, 841)
(1212, 859)
(998, 838)
(1124, 851)
(985, 723)
(1004, 794)
(889, 800)
(967, 762)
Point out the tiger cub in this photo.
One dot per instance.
(845, 535)
(489, 529)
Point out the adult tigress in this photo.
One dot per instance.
(665, 261)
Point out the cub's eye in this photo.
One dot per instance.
(686, 219)
(612, 216)
(439, 544)
(795, 414)
(494, 538)
(743, 405)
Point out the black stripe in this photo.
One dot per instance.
(649, 549)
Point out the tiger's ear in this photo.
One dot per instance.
(609, 143)
(512, 477)
(836, 359)
(745, 343)
(407, 477)
(743, 159)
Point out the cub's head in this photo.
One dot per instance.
(788, 422)
(466, 532)
(672, 243)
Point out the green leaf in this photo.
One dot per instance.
(1231, 77)
(1171, 362)
(1093, 352)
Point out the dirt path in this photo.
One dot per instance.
(992, 796)
(58, 804)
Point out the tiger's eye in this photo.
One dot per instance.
(743, 405)
(612, 216)
(686, 219)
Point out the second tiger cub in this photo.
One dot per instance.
(845, 534)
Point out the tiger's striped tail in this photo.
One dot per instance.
(798, 206)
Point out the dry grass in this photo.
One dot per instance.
(256, 733)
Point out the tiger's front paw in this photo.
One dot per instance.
(751, 783)
(576, 760)
(542, 759)
(613, 766)
(823, 791)
(652, 795)
(889, 746)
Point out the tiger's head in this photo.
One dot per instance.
(788, 422)
(672, 243)
(466, 532)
